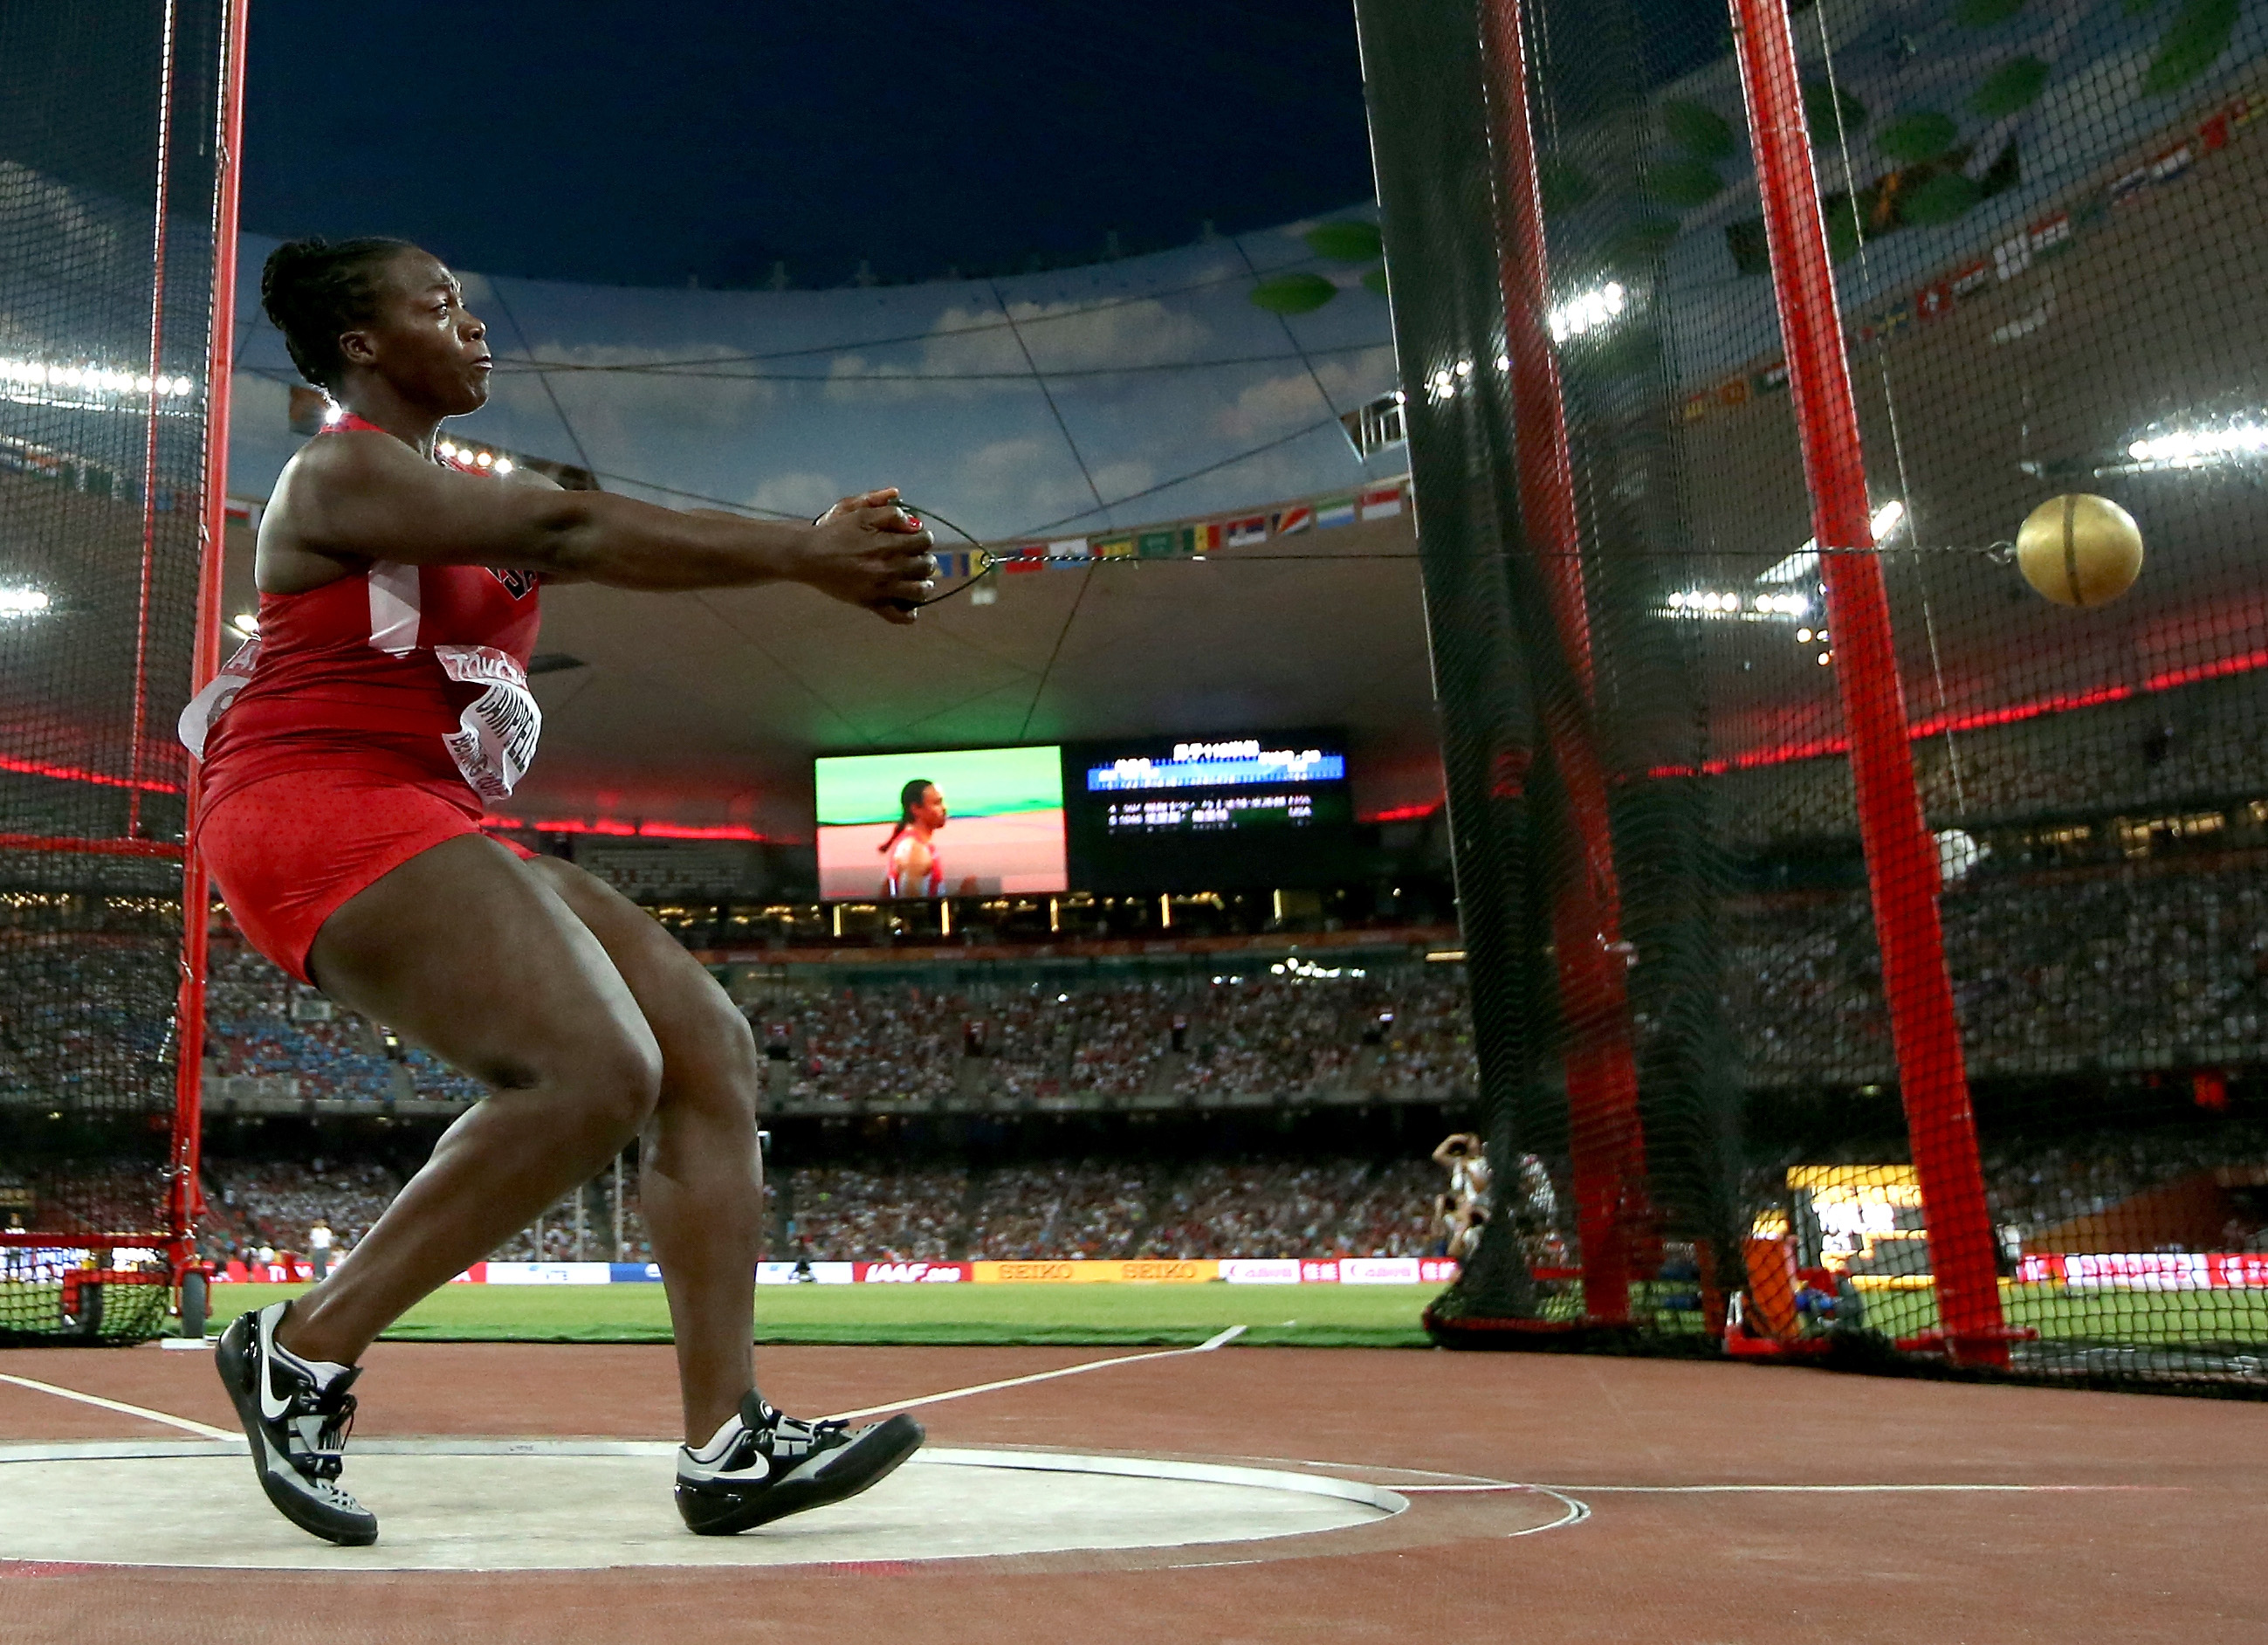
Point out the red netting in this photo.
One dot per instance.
(109, 187)
(1883, 923)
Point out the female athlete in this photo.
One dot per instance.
(912, 866)
(346, 758)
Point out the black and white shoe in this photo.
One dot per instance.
(296, 1414)
(761, 1466)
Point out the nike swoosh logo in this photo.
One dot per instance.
(270, 1407)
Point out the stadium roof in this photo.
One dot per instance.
(706, 709)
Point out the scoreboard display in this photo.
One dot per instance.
(1219, 813)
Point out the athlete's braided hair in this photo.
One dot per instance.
(909, 797)
(315, 290)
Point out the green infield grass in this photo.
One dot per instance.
(2126, 1318)
(1311, 1316)
(1165, 1316)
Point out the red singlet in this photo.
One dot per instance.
(893, 876)
(371, 720)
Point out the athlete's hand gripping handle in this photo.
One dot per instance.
(867, 551)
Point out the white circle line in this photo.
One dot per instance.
(1370, 1504)
(1378, 1497)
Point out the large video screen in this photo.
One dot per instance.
(1272, 809)
(949, 822)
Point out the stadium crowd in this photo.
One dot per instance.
(1084, 1208)
(2128, 969)
(86, 1015)
(2036, 1189)
(1269, 1038)
(2125, 969)
(1260, 1210)
(1126, 1208)
(274, 1205)
(843, 1211)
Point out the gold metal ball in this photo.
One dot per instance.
(2080, 549)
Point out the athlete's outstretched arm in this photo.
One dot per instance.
(368, 497)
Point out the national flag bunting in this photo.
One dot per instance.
(1113, 548)
(1335, 511)
(1025, 557)
(1243, 533)
(1200, 539)
(1155, 545)
(1381, 501)
(1068, 554)
(1299, 517)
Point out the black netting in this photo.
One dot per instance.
(2049, 286)
(108, 180)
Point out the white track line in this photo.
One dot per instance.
(1725, 1490)
(1206, 1347)
(1715, 1490)
(143, 1412)
(1577, 1512)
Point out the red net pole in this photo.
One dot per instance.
(1902, 869)
(150, 443)
(1605, 1138)
(185, 1202)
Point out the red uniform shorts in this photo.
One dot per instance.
(288, 850)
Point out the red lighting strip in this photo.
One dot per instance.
(75, 774)
(2220, 668)
(615, 828)
(1982, 719)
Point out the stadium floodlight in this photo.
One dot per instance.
(1770, 607)
(2201, 447)
(43, 382)
(1588, 311)
(1804, 562)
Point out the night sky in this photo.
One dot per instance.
(645, 144)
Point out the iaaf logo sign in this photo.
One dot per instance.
(912, 1273)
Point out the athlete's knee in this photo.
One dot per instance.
(724, 1071)
(615, 1078)
(737, 1053)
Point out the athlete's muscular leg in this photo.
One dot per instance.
(700, 1179)
(464, 949)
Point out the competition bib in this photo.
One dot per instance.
(494, 741)
(197, 721)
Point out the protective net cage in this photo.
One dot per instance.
(109, 184)
(1866, 887)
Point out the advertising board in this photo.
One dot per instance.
(910, 1272)
(1073, 1271)
(552, 1272)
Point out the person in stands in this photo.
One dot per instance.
(1463, 1211)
